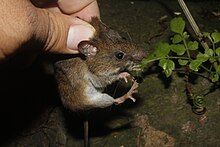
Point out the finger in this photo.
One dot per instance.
(61, 33)
(84, 9)
(73, 6)
(88, 12)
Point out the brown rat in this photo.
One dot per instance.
(107, 58)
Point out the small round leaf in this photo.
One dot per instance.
(217, 51)
(183, 62)
(214, 77)
(209, 52)
(202, 57)
(194, 65)
(162, 49)
(218, 69)
(167, 65)
(179, 49)
(177, 39)
(216, 37)
(193, 45)
(177, 25)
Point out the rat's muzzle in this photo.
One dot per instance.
(134, 67)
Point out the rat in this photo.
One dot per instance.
(106, 58)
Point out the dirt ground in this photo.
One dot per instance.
(32, 114)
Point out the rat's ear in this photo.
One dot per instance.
(87, 48)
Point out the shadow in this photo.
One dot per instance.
(165, 80)
(25, 95)
(99, 118)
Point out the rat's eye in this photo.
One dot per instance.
(119, 55)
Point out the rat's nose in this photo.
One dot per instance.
(139, 55)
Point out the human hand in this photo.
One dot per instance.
(26, 28)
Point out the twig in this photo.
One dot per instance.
(193, 23)
(86, 133)
(192, 72)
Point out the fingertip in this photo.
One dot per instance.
(78, 33)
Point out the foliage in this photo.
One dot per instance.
(188, 53)
(182, 47)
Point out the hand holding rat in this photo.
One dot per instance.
(23, 24)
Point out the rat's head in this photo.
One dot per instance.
(108, 54)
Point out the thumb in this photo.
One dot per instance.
(61, 33)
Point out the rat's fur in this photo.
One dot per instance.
(81, 81)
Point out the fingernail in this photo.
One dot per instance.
(78, 33)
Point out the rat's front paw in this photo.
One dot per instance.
(127, 95)
(125, 76)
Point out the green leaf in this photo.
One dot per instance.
(185, 35)
(194, 65)
(167, 65)
(202, 57)
(193, 45)
(177, 39)
(206, 34)
(178, 48)
(217, 51)
(182, 62)
(218, 69)
(216, 37)
(214, 77)
(212, 59)
(209, 52)
(162, 49)
(177, 25)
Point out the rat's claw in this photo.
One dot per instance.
(132, 91)
(134, 86)
(127, 95)
(135, 91)
(133, 99)
(125, 75)
(132, 79)
(126, 80)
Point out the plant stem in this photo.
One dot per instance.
(210, 67)
(215, 64)
(217, 57)
(201, 75)
(155, 59)
(187, 49)
(213, 47)
(185, 58)
(206, 69)
(196, 73)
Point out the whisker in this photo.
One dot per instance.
(129, 37)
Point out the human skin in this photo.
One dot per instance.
(54, 29)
